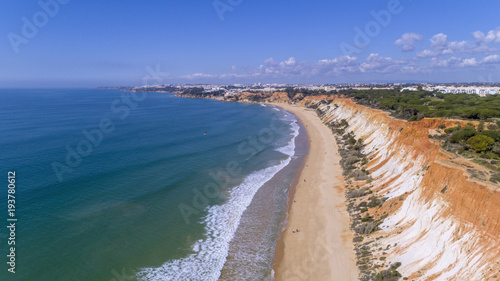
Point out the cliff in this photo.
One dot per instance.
(438, 221)
(314, 99)
(281, 97)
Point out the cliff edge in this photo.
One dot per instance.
(437, 221)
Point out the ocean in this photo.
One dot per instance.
(113, 185)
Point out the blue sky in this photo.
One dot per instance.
(105, 43)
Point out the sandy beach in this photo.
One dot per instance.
(321, 249)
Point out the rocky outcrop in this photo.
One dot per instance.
(438, 221)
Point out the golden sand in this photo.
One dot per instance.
(322, 248)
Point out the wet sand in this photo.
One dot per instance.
(322, 247)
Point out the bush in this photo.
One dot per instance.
(495, 135)
(452, 129)
(374, 201)
(357, 239)
(355, 193)
(350, 160)
(343, 123)
(366, 228)
(358, 175)
(490, 155)
(364, 161)
(464, 134)
(480, 143)
(388, 275)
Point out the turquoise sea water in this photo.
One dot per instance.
(114, 186)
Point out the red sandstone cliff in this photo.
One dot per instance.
(441, 223)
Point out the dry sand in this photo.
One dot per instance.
(322, 249)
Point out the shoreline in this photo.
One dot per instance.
(259, 228)
(322, 249)
(279, 247)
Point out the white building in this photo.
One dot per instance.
(479, 91)
(411, 89)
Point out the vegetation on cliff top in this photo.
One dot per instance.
(480, 143)
(416, 105)
(408, 105)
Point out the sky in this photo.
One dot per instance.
(70, 43)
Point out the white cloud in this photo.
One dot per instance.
(491, 59)
(438, 62)
(407, 41)
(469, 62)
(291, 67)
(343, 65)
(455, 62)
(439, 40)
(334, 66)
(493, 36)
(425, 54)
(287, 67)
(441, 46)
(377, 63)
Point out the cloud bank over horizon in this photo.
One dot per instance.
(440, 54)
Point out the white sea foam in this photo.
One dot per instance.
(222, 221)
(289, 148)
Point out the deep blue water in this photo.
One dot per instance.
(112, 186)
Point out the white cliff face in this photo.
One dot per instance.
(433, 245)
(434, 241)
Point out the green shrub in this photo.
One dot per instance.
(480, 143)
(452, 129)
(490, 155)
(365, 228)
(357, 239)
(495, 135)
(463, 134)
(343, 123)
(355, 193)
(388, 275)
